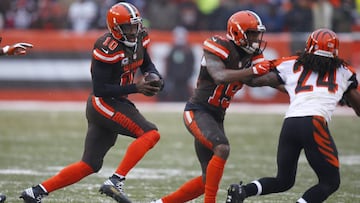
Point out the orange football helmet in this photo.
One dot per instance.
(246, 30)
(323, 42)
(124, 22)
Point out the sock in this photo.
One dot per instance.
(214, 174)
(136, 150)
(67, 176)
(188, 191)
(253, 188)
(118, 176)
(301, 200)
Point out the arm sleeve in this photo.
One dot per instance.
(148, 65)
(354, 83)
(101, 74)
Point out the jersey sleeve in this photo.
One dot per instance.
(284, 67)
(148, 65)
(352, 81)
(258, 58)
(103, 50)
(145, 39)
(215, 45)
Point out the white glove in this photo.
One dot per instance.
(16, 49)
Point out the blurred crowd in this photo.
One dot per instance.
(277, 15)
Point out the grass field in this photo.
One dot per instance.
(36, 144)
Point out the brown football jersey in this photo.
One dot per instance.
(217, 97)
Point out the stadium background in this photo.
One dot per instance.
(57, 68)
(38, 137)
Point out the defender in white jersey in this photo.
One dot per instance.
(316, 81)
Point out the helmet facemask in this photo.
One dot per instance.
(128, 32)
(252, 41)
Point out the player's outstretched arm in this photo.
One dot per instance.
(220, 74)
(353, 97)
(15, 49)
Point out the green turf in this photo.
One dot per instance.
(35, 145)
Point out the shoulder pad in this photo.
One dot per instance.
(218, 46)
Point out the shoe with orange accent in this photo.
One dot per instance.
(236, 193)
(113, 187)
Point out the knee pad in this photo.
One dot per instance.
(331, 186)
(222, 150)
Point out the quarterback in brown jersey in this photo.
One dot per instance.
(226, 64)
(116, 57)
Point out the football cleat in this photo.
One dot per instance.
(113, 187)
(2, 198)
(236, 193)
(33, 194)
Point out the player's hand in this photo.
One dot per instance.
(17, 49)
(146, 88)
(262, 67)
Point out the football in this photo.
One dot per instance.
(154, 79)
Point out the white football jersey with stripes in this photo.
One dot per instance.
(310, 93)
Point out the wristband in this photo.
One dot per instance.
(6, 49)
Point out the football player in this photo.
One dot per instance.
(116, 57)
(227, 63)
(15, 49)
(315, 80)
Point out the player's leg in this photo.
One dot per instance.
(127, 120)
(134, 124)
(288, 152)
(196, 186)
(203, 127)
(322, 155)
(97, 142)
(212, 148)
